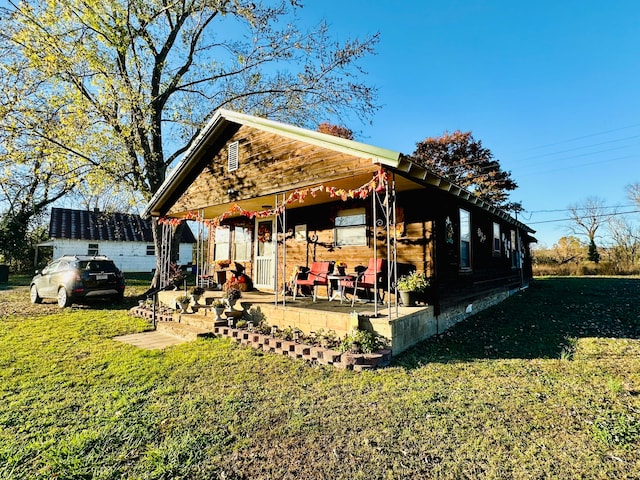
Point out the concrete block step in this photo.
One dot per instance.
(182, 330)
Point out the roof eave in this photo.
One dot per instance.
(426, 176)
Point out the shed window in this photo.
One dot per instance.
(496, 238)
(93, 249)
(351, 228)
(151, 250)
(465, 239)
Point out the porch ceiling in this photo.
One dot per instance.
(267, 202)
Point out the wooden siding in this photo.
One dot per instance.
(268, 164)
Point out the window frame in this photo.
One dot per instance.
(358, 224)
(93, 247)
(246, 234)
(464, 238)
(218, 246)
(497, 245)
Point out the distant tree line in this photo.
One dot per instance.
(603, 241)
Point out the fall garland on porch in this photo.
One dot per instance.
(376, 184)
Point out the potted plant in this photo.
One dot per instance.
(233, 294)
(219, 305)
(196, 294)
(411, 284)
(341, 267)
(183, 301)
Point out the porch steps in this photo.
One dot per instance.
(182, 330)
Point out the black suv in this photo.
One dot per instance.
(70, 279)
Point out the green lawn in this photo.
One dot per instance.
(545, 385)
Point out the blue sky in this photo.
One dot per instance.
(552, 88)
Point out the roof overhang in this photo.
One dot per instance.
(424, 176)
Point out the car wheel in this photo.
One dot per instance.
(34, 296)
(63, 298)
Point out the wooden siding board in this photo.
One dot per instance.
(270, 171)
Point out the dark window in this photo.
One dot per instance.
(465, 239)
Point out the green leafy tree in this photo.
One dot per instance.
(462, 159)
(128, 83)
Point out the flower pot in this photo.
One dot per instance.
(219, 311)
(196, 297)
(407, 298)
(184, 306)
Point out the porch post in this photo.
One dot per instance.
(375, 200)
(284, 250)
(392, 279)
(200, 249)
(277, 251)
(165, 254)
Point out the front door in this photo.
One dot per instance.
(265, 254)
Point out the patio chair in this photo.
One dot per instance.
(366, 280)
(315, 276)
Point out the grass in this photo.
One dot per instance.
(544, 385)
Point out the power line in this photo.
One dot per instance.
(580, 208)
(558, 220)
(582, 137)
(548, 154)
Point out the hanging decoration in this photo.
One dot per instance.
(376, 184)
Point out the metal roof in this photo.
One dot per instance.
(96, 225)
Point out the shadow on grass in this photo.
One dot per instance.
(544, 321)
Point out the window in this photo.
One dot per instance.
(241, 244)
(222, 243)
(351, 228)
(151, 250)
(465, 239)
(232, 156)
(496, 237)
(93, 249)
(514, 253)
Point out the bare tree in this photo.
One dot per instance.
(625, 235)
(587, 218)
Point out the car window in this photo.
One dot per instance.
(62, 266)
(97, 266)
(50, 268)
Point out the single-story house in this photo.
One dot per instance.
(276, 197)
(126, 239)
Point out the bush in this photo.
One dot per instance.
(363, 341)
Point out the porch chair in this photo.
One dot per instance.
(366, 280)
(317, 275)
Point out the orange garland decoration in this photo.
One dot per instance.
(377, 184)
